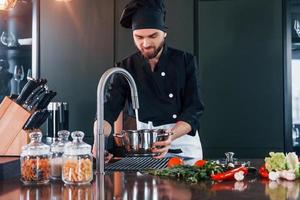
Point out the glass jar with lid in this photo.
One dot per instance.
(57, 150)
(35, 161)
(77, 161)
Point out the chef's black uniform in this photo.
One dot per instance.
(169, 94)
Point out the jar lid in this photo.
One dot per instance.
(77, 146)
(35, 147)
(59, 143)
(63, 136)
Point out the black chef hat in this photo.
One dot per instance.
(140, 14)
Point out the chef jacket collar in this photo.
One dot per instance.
(161, 62)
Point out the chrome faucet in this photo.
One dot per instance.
(100, 111)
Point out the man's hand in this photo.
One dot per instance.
(181, 128)
(107, 156)
(107, 130)
(162, 147)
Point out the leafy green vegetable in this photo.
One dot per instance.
(292, 161)
(297, 172)
(276, 162)
(192, 174)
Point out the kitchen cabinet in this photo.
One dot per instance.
(240, 51)
(293, 75)
(15, 25)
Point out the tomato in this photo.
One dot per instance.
(200, 163)
(175, 161)
(263, 172)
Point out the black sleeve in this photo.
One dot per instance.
(192, 107)
(115, 97)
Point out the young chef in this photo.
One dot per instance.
(167, 81)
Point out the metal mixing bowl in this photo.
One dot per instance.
(140, 142)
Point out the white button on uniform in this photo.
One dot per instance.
(171, 95)
(163, 74)
(174, 116)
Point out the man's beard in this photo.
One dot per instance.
(153, 54)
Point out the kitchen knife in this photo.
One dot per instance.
(13, 96)
(37, 91)
(26, 91)
(32, 120)
(41, 119)
(43, 81)
(33, 105)
(46, 100)
(42, 101)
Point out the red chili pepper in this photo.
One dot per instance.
(229, 175)
(263, 172)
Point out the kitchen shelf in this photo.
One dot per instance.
(22, 51)
(17, 48)
(295, 46)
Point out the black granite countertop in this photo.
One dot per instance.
(138, 186)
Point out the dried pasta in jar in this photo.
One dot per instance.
(35, 161)
(77, 161)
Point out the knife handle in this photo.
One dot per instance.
(43, 81)
(35, 102)
(44, 116)
(27, 89)
(44, 103)
(30, 122)
(33, 95)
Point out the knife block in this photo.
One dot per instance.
(12, 119)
